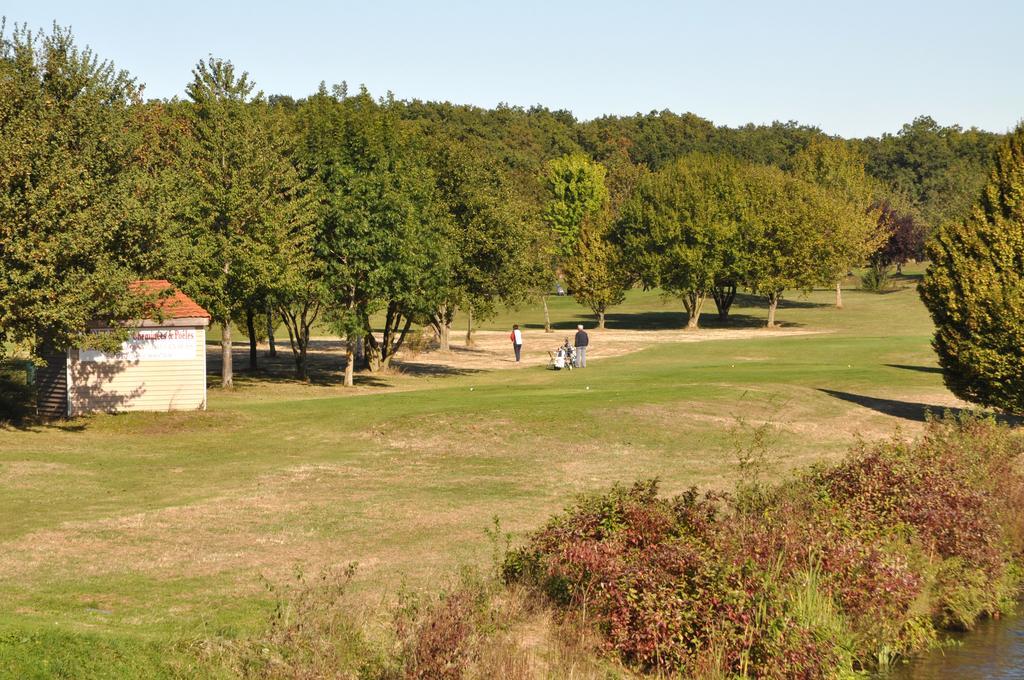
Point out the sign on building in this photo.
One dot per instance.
(156, 344)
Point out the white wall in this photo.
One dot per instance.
(136, 383)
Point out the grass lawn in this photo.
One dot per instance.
(119, 533)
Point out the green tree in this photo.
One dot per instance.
(68, 199)
(782, 234)
(941, 169)
(493, 248)
(853, 234)
(974, 289)
(679, 230)
(237, 187)
(380, 230)
(576, 190)
(580, 218)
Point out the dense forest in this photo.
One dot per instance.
(341, 206)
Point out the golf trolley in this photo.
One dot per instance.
(563, 357)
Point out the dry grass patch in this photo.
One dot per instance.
(30, 474)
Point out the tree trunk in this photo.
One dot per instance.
(444, 336)
(442, 324)
(270, 333)
(693, 302)
(839, 294)
(600, 320)
(773, 303)
(391, 347)
(371, 352)
(250, 328)
(226, 367)
(469, 326)
(350, 361)
(298, 321)
(724, 295)
(547, 317)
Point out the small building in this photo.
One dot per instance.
(160, 367)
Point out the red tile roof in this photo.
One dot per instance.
(177, 305)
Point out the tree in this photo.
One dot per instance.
(237, 187)
(679, 229)
(580, 219)
(782, 230)
(68, 204)
(853, 235)
(594, 274)
(493, 249)
(974, 289)
(380, 231)
(940, 169)
(904, 237)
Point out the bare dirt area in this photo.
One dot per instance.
(492, 350)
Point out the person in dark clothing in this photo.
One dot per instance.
(582, 341)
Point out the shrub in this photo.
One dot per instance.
(16, 395)
(846, 567)
(877, 278)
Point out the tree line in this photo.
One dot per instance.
(341, 208)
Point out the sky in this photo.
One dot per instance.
(850, 68)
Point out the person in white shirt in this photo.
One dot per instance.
(516, 336)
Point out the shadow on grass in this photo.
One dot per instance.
(664, 321)
(422, 368)
(922, 369)
(325, 367)
(761, 302)
(909, 410)
(33, 423)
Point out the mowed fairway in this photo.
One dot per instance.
(158, 526)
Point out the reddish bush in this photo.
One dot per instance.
(699, 584)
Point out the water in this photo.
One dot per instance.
(993, 650)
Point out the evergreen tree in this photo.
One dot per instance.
(974, 289)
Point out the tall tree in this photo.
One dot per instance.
(853, 235)
(974, 289)
(236, 187)
(781, 233)
(494, 253)
(68, 203)
(679, 229)
(380, 231)
(580, 219)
